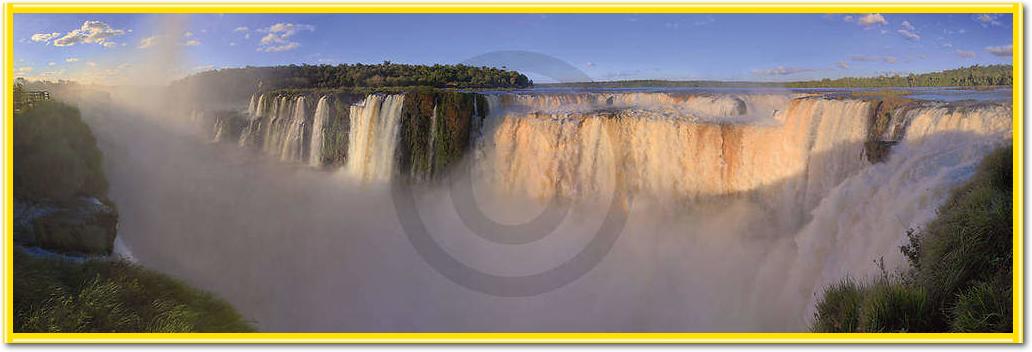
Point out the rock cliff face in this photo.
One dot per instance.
(83, 226)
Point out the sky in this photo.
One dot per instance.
(103, 48)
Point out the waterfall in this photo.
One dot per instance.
(220, 129)
(274, 130)
(529, 152)
(248, 137)
(373, 137)
(294, 135)
(865, 216)
(322, 116)
(252, 106)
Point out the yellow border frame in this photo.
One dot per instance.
(566, 337)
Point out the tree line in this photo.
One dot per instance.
(972, 76)
(386, 74)
(233, 84)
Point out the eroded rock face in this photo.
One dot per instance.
(85, 225)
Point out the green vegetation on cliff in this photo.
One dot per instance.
(960, 275)
(56, 155)
(435, 131)
(57, 295)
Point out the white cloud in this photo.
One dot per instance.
(91, 64)
(704, 21)
(843, 65)
(1001, 51)
(871, 20)
(232, 43)
(148, 42)
(192, 42)
(589, 64)
(947, 45)
(782, 71)
(44, 37)
(24, 69)
(204, 68)
(986, 20)
(278, 48)
(51, 63)
(966, 54)
(873, 58)
(909, 35)
(72, 59)
(187, 34)
(241, 29)
(91, 32)
(277, 37)
(848, 18)
(907, 31)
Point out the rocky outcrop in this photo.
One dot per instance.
(82, 226)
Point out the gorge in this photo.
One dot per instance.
(741, 204)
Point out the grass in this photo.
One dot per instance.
(959, 278)
(58, 295)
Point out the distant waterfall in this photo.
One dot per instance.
(294, 136)
(282, 108)
(252, 107)
(220, 129)
(373, 137)
(322, 116)
(249, 136)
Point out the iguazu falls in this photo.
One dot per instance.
(470, 197)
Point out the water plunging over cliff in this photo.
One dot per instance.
(374, 137)
(322, 116)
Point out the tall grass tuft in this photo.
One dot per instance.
(839, 311)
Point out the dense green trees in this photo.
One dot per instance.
(235, 84)
(973, 76)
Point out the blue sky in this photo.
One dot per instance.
(606, 47)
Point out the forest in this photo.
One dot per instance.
(972, 76)
(386, 74)
(236, 84)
